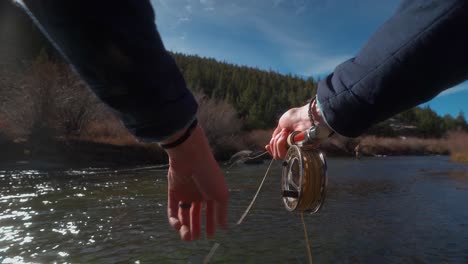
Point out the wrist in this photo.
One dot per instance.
(179, 138)
(191, 148)
(317, 119)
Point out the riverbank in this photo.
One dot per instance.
(48, 113)
(454, 144)
(76, 153)
(107, 152)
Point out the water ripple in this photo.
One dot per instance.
(375, 212)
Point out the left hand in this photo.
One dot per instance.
(195, 179)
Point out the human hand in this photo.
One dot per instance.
(295, 119)
(194, 178)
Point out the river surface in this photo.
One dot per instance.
(378, 210)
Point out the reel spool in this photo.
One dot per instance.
(304, 178)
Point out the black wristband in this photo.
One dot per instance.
(183, 138)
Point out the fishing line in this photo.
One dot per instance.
(241, 219)
(304, 184)
(306, 235)
(255, 196)
(303, 180)
(244, 159)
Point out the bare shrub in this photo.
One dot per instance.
(221, 125)
(258, 139)
(16, 109)
(44, 101)
(62, 101)
(110, 131)
(49, 100)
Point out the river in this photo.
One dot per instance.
(378, 210)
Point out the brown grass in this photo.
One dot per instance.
(371, 145)
(454, 143)
(457, 142)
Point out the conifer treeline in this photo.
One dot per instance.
(260, 97)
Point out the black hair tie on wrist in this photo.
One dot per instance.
(183, 138)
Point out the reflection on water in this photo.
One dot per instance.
(392, 210)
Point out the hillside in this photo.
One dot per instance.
(42, 101)
(260, 97)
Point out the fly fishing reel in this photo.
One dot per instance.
(304, 174)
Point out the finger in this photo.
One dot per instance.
(184, 218)
(210, 219)
(185, 233)
(195, 220)
(172, 211)
(268, 149)
(282, 145)
(221, 213)
(277, 130)
(275, 145)
(272, 147)
(272, 140)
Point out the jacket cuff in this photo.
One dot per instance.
(319, 106)
(172, 119)
(340, 112)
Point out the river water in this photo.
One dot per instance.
(378, 210)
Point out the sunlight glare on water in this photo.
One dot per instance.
(393, 210)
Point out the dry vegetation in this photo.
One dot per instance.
(457, 143)
(48, 102)
(221, 125)
(454, 143)
(371, 145)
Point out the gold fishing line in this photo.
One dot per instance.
(304, 180)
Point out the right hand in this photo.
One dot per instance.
(295, 119)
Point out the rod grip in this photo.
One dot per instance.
(296, 136)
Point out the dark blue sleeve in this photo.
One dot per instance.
(420, 51)
(114, 45)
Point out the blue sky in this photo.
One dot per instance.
(302, 37)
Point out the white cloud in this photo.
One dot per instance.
(299, 51)
(456, 89)
(279, 36)
(304, 55)
(276, 3)
(183, 19)
(321, 65)
(300, 5)
(208, 5)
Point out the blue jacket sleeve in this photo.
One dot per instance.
(420, 51)
(114, 45)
